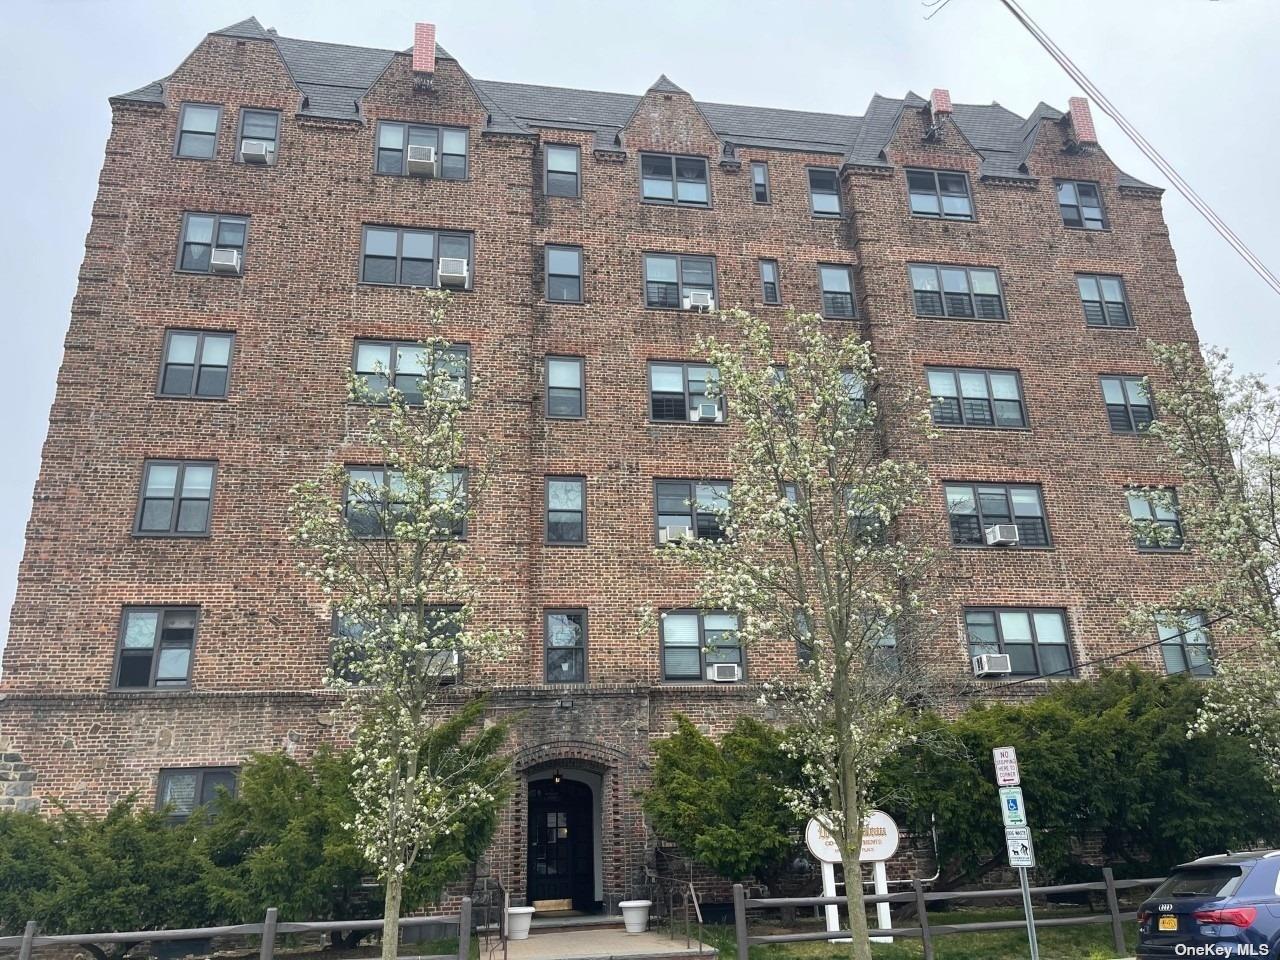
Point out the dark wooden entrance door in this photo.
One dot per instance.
(561, 854)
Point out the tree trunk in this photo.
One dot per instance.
(391, 917)
(860, 948)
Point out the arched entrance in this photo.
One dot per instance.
(562, 844)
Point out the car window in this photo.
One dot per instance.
(1220, 881)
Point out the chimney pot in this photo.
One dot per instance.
(1082, 120)
(424, 49)
(940, 101)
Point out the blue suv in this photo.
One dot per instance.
(1223, 906)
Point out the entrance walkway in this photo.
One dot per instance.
(604, 945)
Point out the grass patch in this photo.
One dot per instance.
(1061, 943)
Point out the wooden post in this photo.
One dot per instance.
(268, 946)
(922, 910)
(1113, 905)
(740, 920)
(464, 929)
(28, 935)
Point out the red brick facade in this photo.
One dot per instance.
(263, 631)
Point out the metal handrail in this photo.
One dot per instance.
(689, 896)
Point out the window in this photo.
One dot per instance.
(678, 180)
(1081, 205)
(181, 791)
(440, 661)
(974, 508)
(195, 364)
(382, 363)
(669, 279)
(966, 293)
(198, 130)
(202, 233)
(693, 641)
(564, 274)
(1157, 524)
(1184, 642)
(836, 281)
(566, 510)
(938, 194)
(260, 127)
(377, 500)
(155, 647)
(975, 398)
(1035, 640)
(566, 393)
(566, 646)
(1129, 408)
(770, 291)
(449, 143)
(680, 392)
(824, 192)
(408, 258)
(689, 510)
(1104, 301)
(562, 174)
(760, 182)
(175, 498)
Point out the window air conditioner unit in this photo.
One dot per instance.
(724, 672)
(699, 300)
(420, 160)
(224, 260)
(254, 151)
(992, 665)
(705, 411)
(1002, 535)
(454, 272)
(670, 534)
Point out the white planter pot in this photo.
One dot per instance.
(518, 919)
(635, 914)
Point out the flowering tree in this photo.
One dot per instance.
(1223, 431)
(383, 543)
(814, 553)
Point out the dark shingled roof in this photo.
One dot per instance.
(333, 77)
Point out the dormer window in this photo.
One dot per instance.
(1081, 205)
(682, 181)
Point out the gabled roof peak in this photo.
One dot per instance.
(664, 85)
(249, 29)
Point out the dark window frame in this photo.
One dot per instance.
(987, 372)
(813, 210)
(702, 647)
(684, 365)
(853, 292)
(1123, 380)
(675, 200)
(273, 154)
(166, 773)
(175, 510)
(392, 373)
(348, 670)
(581, 388)
(400, 232)
(385, 500)
(546, 272)
(547, 149)
(942, 293)
(938, 194)
(547, 614)
(581, 481)
(761, 165)
(1079, 205)
(1068, 644)
(680, 259)
(975, 486)
(409, 127)
(1103, 303)
(197, 366)
(182, 117)
(161, 611)
(1179, 642)
(776, 299)
(691, 505)
(1146, 545)
(213, 244)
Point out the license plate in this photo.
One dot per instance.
(1168, 923)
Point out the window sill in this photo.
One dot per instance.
(826, 216)
(976, 426)
(209, 273)
(982, 546)
(687, 423)
(1026, 678)
(698, 310)
(1161, 551)
(408, 286)
(411, 177)
(928, 219)
(1106, 229)
(673, 205)
(179, 396)
(565, 303)
(556, 543)
(1100, 326)
(148, 535)
(148, 691)
(920, 316)
(827, 316)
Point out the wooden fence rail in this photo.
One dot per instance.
(268, 930)
(1109, 886)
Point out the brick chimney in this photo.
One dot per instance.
(940, 103)
(1081, 119)
(424, 54)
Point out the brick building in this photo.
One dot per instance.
(263, 216)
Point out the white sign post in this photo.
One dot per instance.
(1017, 835)
(879, 843)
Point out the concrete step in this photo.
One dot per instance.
(604, 943)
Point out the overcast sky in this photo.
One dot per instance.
(1197, 77)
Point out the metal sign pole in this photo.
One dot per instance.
(1031, 917)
